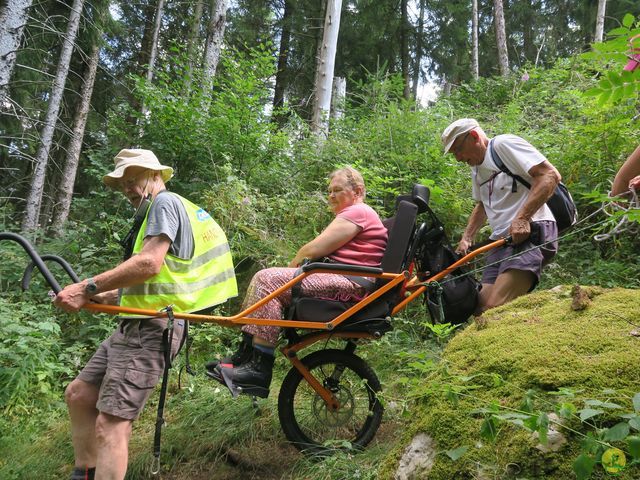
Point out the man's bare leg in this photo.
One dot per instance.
(112, 436)
(81, 398)
(510, 284)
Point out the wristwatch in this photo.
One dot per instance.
(90, 288)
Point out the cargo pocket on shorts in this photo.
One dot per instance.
(136, 389)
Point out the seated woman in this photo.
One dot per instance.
(356, 236)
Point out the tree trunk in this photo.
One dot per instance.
(404, 49)
(475, 65)
(154, 40)
(417, 66)
(283, 56)
(324, 72)
(528, 31)
(13, 18)
(153, 54)
(194, 35)
(64, 192)
(501, 38)
(602, 7)
(338, 97)
(215, 36)
(34, 199)
(146, 42)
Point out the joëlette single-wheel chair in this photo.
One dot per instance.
(330, 396)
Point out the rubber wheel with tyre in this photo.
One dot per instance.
(307, 421)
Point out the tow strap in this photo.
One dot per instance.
(167, 341)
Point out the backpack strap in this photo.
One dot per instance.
(503, 168)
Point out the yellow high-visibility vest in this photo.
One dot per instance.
(207, 279)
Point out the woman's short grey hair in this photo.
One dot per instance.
(353, 177)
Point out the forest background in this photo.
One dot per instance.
(224, 93)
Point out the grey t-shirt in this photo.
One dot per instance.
(167, 216)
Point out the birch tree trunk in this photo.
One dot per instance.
(501, 37)
(325, 69)
(602, 7)
(404, 49)
(154, 40)
(475, 64)
(64, 192)
(13, 18)
(215, 36)
(417, 66)
(34, 199)
(338, 97)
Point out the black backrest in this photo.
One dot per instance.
(419, 195)
(399, 238)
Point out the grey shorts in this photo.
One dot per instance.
(129, 364)
(530, 261)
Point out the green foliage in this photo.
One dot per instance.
(599, 438)
(40, 351)
(442, 331)
(615, 84)
(200, 126)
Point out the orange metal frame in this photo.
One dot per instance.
(414, 286)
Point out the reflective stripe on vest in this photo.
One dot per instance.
(205, 280)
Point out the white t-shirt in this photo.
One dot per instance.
(493, 187)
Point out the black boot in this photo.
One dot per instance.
(251, 378)
(242, 355)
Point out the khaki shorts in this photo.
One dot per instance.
(128, 365)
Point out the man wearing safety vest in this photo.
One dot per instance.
(176, 255)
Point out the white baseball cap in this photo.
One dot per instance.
(457, 128)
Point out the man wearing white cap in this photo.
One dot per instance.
(510, 207)
(175, 254)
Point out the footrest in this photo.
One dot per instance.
(221, 376)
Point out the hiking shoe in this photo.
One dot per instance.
(242, 355)
(251, 378)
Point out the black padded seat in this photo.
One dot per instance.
(320, 310)
(393, 261)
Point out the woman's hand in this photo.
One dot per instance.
(294, 263)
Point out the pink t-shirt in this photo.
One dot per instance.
(367, 247)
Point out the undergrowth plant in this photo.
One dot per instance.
(604, 426)
(442, 331)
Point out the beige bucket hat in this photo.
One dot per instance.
(135, 157)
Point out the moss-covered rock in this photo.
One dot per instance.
(539, 348)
